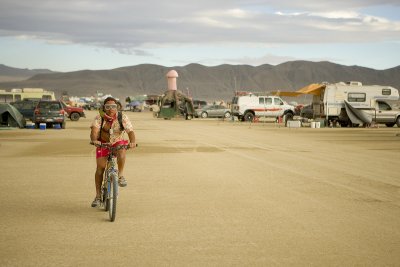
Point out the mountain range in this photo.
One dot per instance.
(14, 74)
(200, 82)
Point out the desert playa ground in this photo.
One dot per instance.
(204, 193)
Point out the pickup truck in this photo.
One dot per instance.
(73, 113)
(385, 113)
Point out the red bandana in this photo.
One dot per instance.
(109, 118)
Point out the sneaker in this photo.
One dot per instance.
(122, 182)
(96, 202)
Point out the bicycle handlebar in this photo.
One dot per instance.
(110, 146)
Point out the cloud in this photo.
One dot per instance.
(132, 27)
(256, 61)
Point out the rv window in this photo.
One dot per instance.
(386, 92)
(356, 97)
(6, 98)
(46, 97)
(268, 101)
(17, 97)
(261, 100)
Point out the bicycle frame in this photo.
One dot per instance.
(110, 171)
(109, 188)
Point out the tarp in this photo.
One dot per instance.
(134, 103)
(313, 89)
(10, 116)
(357, 116)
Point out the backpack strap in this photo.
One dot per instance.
(101, 128)
(121, 125)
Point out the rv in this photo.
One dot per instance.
(329, 99)
(25, 93)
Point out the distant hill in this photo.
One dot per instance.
(9, 74)
(202, 82)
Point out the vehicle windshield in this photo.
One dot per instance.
(49, 105)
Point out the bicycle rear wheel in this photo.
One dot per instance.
(112, 196)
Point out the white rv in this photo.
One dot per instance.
(329, 99)
(25, 93)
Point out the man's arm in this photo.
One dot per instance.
(132, 139)
(94, 134)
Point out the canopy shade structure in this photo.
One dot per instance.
(312, 89)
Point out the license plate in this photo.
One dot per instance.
(49, 120)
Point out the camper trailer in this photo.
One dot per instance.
(330, 103)
(18, 94)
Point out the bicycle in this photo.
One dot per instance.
(109, 186)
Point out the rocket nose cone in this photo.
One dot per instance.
(172, 74)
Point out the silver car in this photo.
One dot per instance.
(213, 111)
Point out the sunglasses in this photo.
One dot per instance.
(110, 106)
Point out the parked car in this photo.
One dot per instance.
(213, 111)
(197, 104)
(49, 112)
(26, 107)
(92, 105)
(73, 113)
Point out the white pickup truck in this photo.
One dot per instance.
(385, 113)
(247, 107)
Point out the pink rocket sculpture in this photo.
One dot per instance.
(171, 77)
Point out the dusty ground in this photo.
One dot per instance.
(204, 192)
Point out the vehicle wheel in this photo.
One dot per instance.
(63, 125)
(227, 115)
(390, 124)
(74, 116)
(204, 115)
(398, 122)
(248, 116)
(189, 117)
(112, 196)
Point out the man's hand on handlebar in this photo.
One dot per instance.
(95, 143)
(132, 145)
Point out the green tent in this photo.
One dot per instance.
(10, 116)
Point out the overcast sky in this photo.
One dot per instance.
(99, 34)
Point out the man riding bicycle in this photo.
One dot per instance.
(109, 127)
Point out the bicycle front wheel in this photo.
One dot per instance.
(112, 197)
(106, 202)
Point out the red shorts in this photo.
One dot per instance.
(104, 151)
